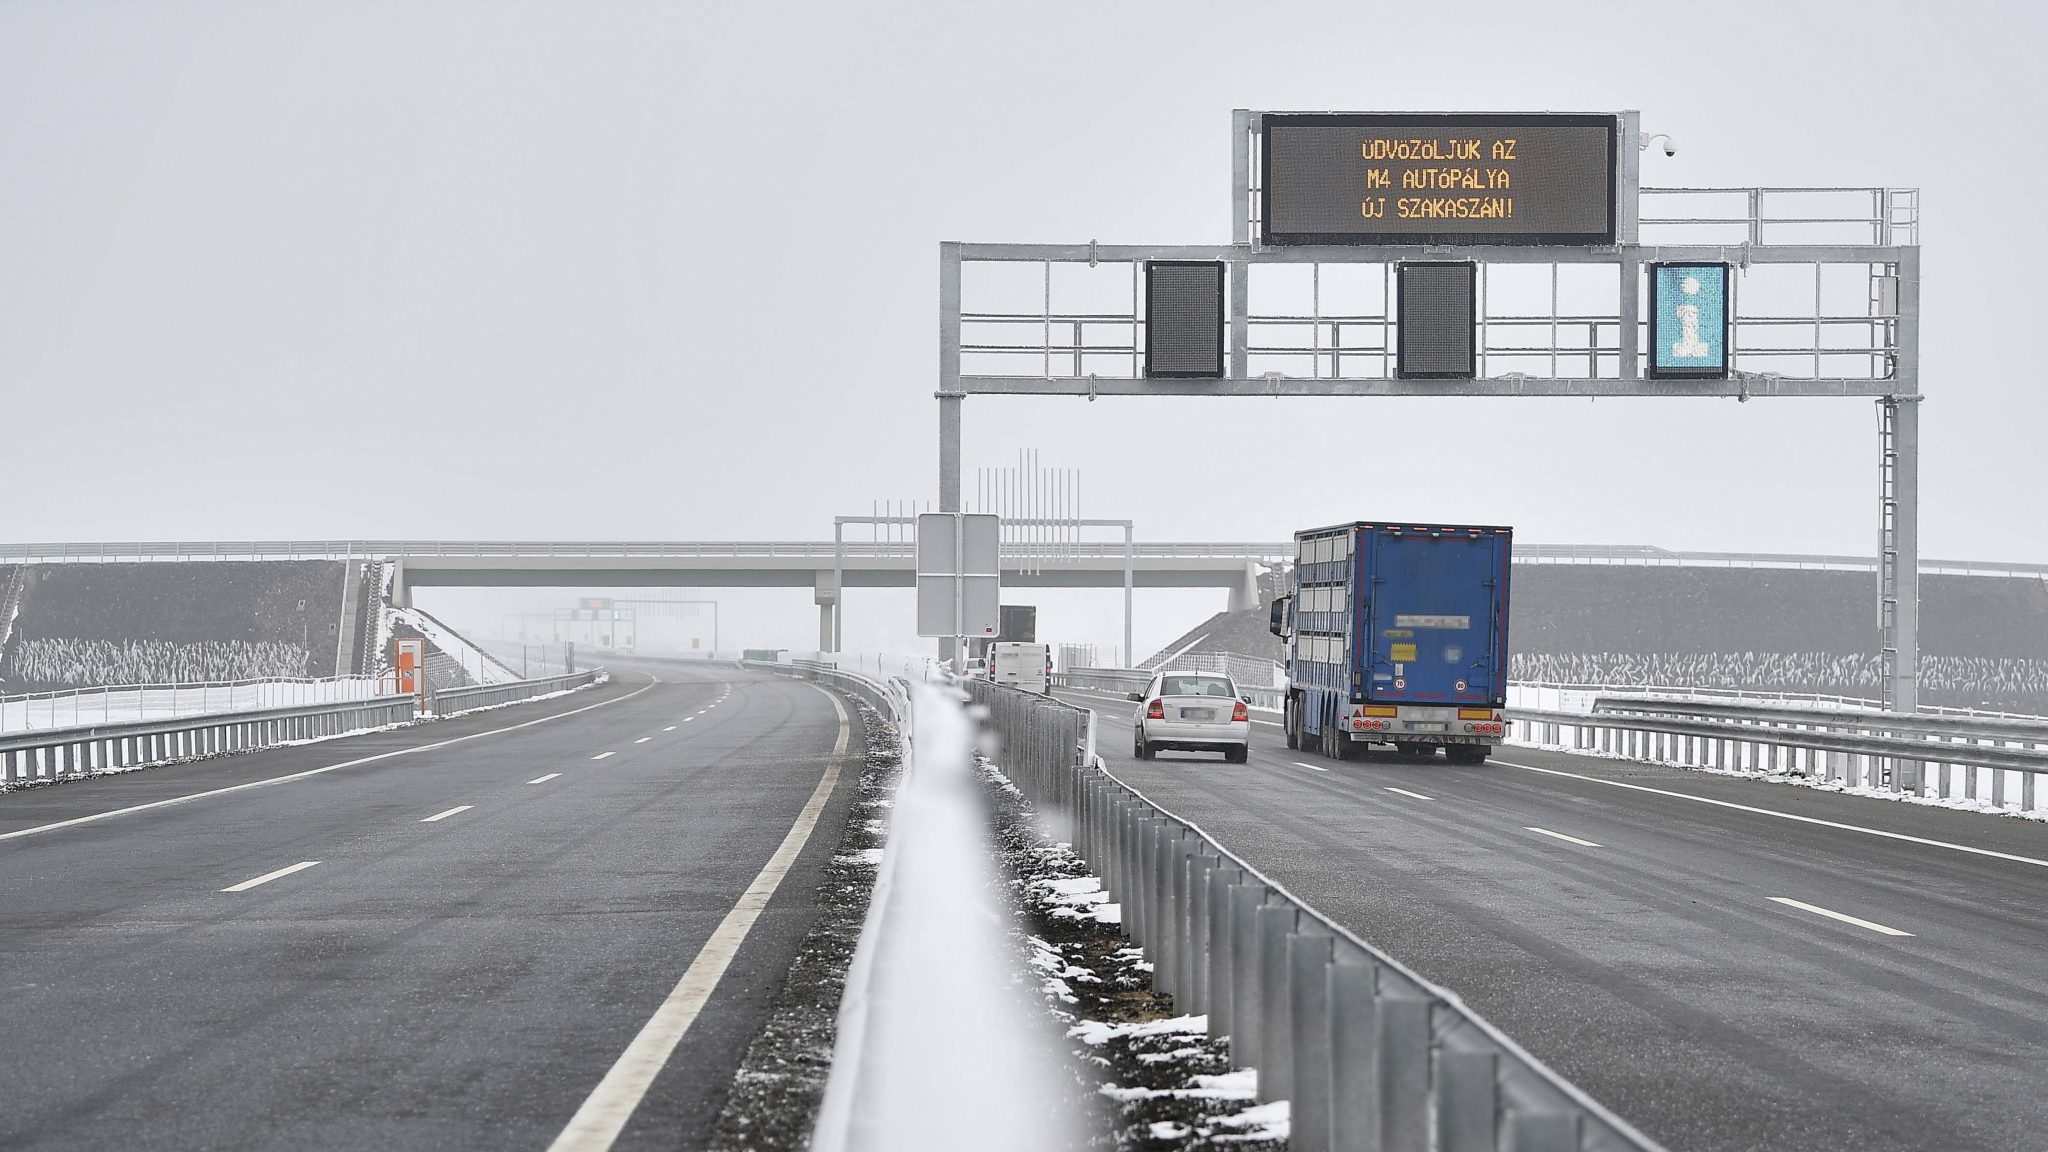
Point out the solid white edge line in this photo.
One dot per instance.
(1817, 910)
(1994, 854)
(1560, 836)
(1310, 767)
(610, 1105)
(1405, 792)
(267, 877)
(285, 779)
(602, 755)
(448, 813)
(544, 779)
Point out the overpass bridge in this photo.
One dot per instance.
(826, 566)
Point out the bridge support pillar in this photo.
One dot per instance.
(401, 592)
(825, 593)
(1245, 593)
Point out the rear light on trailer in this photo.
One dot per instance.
(1156, 710)
(1238, 713)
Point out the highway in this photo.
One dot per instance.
(1728, 964)
(439, 937)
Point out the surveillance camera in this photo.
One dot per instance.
(1670, 149)
(1670, 145)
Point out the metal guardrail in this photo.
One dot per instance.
(1369, 1054)
(1946, 757)
(55, 753)
(449, 701)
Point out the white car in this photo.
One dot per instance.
(1192, 712)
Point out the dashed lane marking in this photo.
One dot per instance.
(1562, 836)
(451, 812)
(670, 728)
(1310, 767)
(1782, 815)
(1407, 793)
(267, 877)
(1845, 918)
(544, 779)
(604, 1113)
(602, 755)
(643, 740)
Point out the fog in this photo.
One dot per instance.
(668, 271)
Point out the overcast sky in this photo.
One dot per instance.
(669, 270)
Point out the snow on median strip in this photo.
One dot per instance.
(459, 808)
(1817, 910)
(267, 877)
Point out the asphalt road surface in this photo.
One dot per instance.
(450, 946)
(1719, 974)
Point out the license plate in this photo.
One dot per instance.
(1425, 726)
(1198, 713)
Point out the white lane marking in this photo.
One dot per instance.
(604, 1113)
(643, 740)
(1310, 767)
(544, 779)
(267, 877)
(602, 755)
(1405, 792)
(670, 728)
(1561, 836)
(687, 719)
(1785, 815)
(288, 777)
(444, 815)
(1817, 910)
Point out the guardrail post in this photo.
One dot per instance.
(1543, 1132)
(1276, 1049)
(1401, 1059)
(1194, 966)
(1309, 952)
(1354, 1051)
(1223, 879)
(1466, 1101)
(1245, 901)
(1167, 921)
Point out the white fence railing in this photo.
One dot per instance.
(135, 702)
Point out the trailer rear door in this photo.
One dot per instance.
(1436, 617)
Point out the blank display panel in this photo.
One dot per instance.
(1437, 307)
(1184, 319)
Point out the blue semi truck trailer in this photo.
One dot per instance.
(1397, 634)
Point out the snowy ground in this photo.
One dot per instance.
(1156, 1078)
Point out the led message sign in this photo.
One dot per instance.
(1437, 178)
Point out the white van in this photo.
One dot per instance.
(1026, 666)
